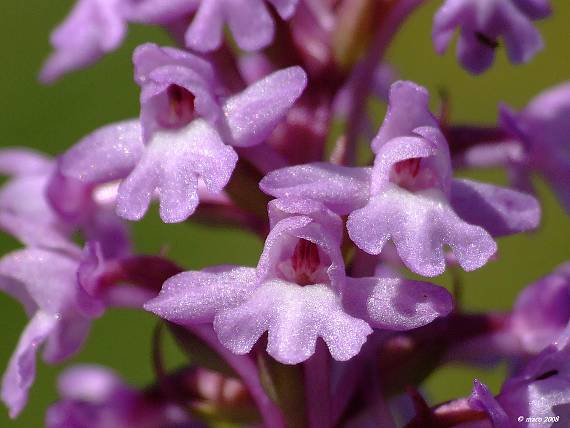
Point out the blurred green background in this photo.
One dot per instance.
(52, 118)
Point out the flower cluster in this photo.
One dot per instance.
(328, 329)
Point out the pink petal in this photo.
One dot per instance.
(158, 12)
(408, 109)
(206, 31)
(250, 23)
(474, 55)
(285, 8)
(67, 338)
(397, 150)
(393, 303)
(195, 297)
(35, 234)
(341, 189)
(89, 383)
(93, 28)
(482, 399)
(446, 19)
(21, 371)
(48, 277)
(107, 154)
(149, 56)
(254, 113)
(21, 161)
(279, 209)
(498, 210)
(522, 39)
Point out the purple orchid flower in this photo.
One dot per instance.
(95, 28)
(25, 211)
(45, 282)
(540, 393)
(96, 397)
(298, 293)
(540, 315)
(482, 23)
(326, 293)
(186, 134)
(62, 290)
(409, 195)
(250, 23)
(542, 128)
(92, 29)
(42, 208)
(542, 311)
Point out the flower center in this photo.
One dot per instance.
(305, 266)
(180, 106)
(305, 261)
(486, 40)
(405, 173)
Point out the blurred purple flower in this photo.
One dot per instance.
(542, 311)
(409, 195)
(45, 283)
(482, 23)
(25, 211)
(95, 28)
(540, 314)
(95, 397)
(62, 289)
(540, 392)
(543, 127)
(250, 23)
(92, 29)
(40, 207)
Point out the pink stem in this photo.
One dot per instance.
(347, 384)
(263, 157)
(379, 45)
(317, 388)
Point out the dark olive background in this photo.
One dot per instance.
(52, 118)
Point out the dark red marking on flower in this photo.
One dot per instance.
(404, 173)
(305, 261)
(486, 40)
(147, 272)
(181, 102)
(547, 375)
(408, 166)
